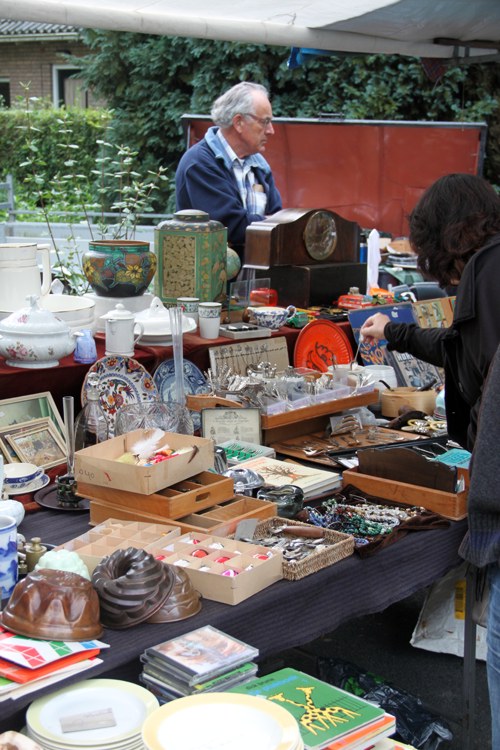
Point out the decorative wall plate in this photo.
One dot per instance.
(122, 380)
(321, 344)
(194, 382)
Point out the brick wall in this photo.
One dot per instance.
(32, 62)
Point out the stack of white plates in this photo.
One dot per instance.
(221, 720)
(129, 705)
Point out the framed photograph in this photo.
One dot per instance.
(42, 446)
(222, 425)
(15, 411)
(6, 449)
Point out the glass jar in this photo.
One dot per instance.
(91, 425)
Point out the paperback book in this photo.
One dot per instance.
(19, 674)
(324, 713)
(201, 654)
(409, 370)
(312, 481)
(33, 653)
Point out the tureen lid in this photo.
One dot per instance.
(156, 311)
(33, 319)
(156, 320)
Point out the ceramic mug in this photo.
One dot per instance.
(209, 319)
(189, 307)
(271, 317)
(8, 556)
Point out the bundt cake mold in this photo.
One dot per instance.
(132, 585)
(53, 605)
(183, 602)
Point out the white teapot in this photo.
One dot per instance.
(32, 337)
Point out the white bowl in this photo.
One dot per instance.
(77, 312)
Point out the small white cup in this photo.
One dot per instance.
(209, 319)
(189, 307)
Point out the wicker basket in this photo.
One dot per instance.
(339, 546)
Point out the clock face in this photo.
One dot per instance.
(320, 235)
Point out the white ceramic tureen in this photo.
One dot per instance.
(156, 322)
(32, 337)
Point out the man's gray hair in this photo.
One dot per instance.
(238, 100)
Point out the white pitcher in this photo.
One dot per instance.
(120, 336)
(20, 274)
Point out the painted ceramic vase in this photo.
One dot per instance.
(119, 268)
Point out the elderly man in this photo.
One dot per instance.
(225, 174)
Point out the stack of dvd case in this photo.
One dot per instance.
(203, 660)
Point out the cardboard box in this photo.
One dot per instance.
(189, 496)
(452, 505)
(221, 519)
(98, 464)
(115, 534)
(255, 569)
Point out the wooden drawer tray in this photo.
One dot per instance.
(189, 496)
(222, 518)
(448, 504)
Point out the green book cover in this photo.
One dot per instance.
(323, 712)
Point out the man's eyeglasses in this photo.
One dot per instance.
(264, 121)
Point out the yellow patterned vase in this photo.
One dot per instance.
(119, 268)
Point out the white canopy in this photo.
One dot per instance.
(424, 28)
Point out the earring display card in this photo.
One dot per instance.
(239, 355)
(222, 425)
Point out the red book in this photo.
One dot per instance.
(20, 674)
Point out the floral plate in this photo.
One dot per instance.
(194, 382)
(122, 381)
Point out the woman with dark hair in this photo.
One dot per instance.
(455, 232)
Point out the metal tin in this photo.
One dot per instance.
(191, 251)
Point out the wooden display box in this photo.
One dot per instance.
(309, 419)
(447, 504)
(115, 534)
(189, 496)
(209, 573)
(222, 518)
(98, 464)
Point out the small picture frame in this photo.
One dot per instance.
(22, 409)
(42, 446)
(240, 425)
(6, 449)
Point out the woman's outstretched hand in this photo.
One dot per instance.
(372, 329)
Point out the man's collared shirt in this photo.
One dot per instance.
(252, 194)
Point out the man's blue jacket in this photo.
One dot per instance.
(205, 180)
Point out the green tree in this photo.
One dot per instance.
(150, 81)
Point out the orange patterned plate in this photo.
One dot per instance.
(320, 344)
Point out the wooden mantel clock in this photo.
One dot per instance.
(309, 255)
(301, 236)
